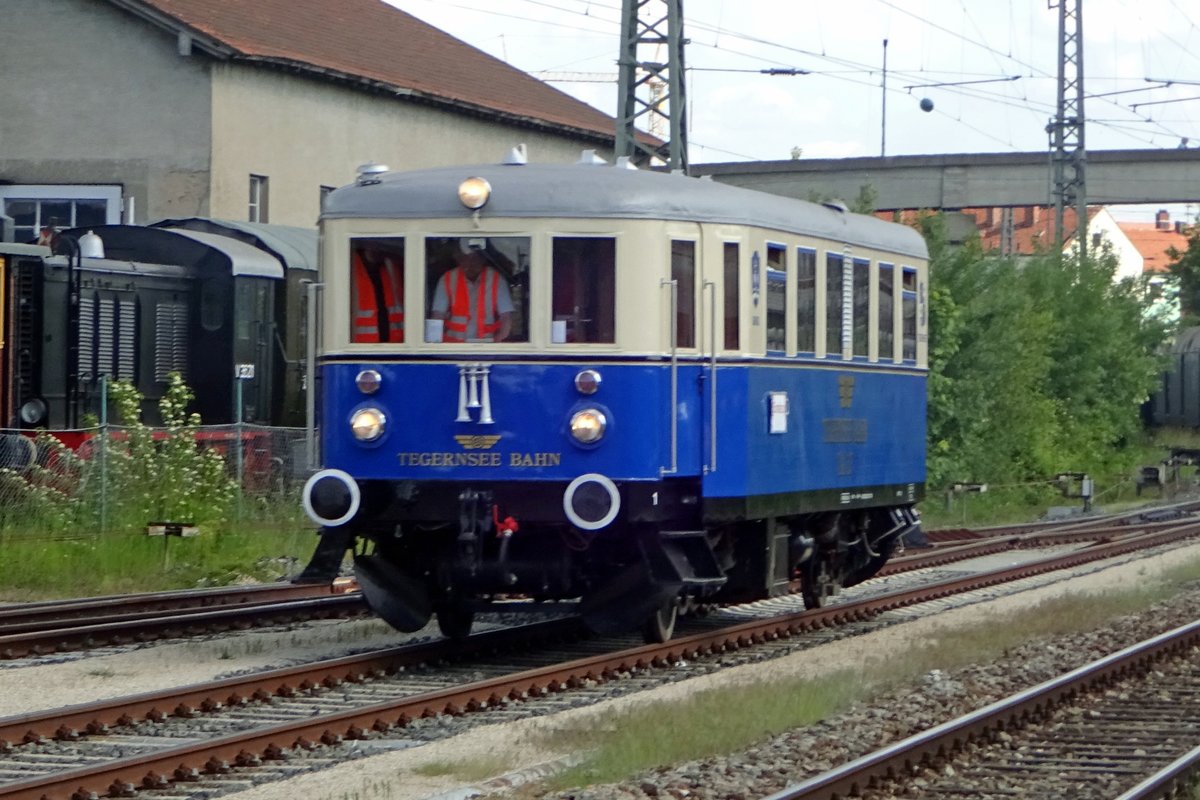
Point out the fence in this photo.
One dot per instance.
(113, 476)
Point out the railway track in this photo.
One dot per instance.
(206, 731)
(38, 629)
(41, 628)
(1094, 732)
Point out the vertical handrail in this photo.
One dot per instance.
(104, 453)
(711, 466)
(310, 379)
(674, 323)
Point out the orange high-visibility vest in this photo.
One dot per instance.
(461, 313)
(366, 314)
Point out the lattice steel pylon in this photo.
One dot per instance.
(646, 26)
(1069, 157)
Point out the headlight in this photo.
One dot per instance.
(474, 193)
(368, 424)
(588, 426)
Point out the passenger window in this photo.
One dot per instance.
(887, 313)
(732, 289)
(833, 304)
(477, 289)
(683, 272)
(806, 300)
(776, 298)
(584, 290)
(862, 306)
(909, 314)
(377, 290)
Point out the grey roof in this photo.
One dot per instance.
(589, 191)
(296, 247)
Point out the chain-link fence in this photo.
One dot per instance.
(117, 477)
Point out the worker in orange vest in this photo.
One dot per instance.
(473, 298)
(379, 296)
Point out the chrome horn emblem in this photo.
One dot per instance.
(474, 392)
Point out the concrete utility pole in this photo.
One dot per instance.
(1069, 156)
(647, 25)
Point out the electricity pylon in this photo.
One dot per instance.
(646, 27)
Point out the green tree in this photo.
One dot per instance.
(1037, 365)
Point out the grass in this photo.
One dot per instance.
(659, 734)
(38, 567)
(477, 769)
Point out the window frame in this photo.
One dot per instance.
(258, 209)
(39, 193)
(778, 277)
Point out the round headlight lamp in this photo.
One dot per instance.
(368, 381)
(587, 426)
(587, 381)
(367, 424)
(474, 193)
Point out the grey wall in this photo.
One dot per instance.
(93, 95)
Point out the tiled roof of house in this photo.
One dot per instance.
(1153, 241)
(1032, 227)
(375, 43)
(1033, 230)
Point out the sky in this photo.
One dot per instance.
(1001, 58)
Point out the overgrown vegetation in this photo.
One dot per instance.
(1037, 366)
(74, 522)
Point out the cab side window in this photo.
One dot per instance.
(584, 294)
(377, 289)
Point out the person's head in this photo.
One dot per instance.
(473, 260)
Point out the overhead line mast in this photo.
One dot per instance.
(646, 26)
(1069, 157)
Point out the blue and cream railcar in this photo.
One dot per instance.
(706, 393)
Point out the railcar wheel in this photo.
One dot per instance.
(817, 581)
(660, 627)
(455, 620)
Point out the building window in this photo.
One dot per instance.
(806, 300)
(258, 198)
(34, 207)
(732, 311)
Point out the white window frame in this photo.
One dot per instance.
(259, 204)
(109, 193)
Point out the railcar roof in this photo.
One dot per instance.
(604, 191)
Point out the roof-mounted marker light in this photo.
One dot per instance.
(370, 173)
(474, 193)
(836, 205)
(590, 157)
(516, 156)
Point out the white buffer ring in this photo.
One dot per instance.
(349, 482)
(614, 498)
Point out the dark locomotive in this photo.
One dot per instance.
(221, 303)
